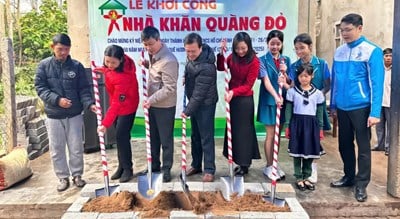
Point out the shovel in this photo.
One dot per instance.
(149, 184)
(107, 190)
(271, 197)
(231, 184)
(182, 177)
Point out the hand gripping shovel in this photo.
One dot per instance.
(231, 184)
(271, 197)
(107, 190)
(149, 184)
(182, 177)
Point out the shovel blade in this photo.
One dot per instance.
(186, 192)
(274, 200)
(185, 187)
(147, 189)
(107, 191)
(231, 185)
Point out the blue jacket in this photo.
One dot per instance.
(357, 77)
(269, 69)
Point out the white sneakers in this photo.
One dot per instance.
(268, 173)
(314, 174)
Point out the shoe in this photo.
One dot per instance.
(63, 184)
(241, 170)
(144, 172)
(377, 148)
(309, 185)
(360, 194)
(117, 174)
(167, 176)
(343, 182)
(78, 181)
(387, 151)
(300, 185)
(281, 174)
(268, 173)
(314, 174)
(208, 177)
(127, 174)
(192, 171)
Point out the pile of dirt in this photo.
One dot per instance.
(166, 201)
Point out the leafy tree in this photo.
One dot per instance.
(38, 27)
(25, 79)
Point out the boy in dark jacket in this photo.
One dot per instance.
(62, 84)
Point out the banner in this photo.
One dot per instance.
(121, 22)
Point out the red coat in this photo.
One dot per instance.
(123, 90)
(243, 75)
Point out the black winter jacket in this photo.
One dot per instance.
(55, 80)
(201, 80)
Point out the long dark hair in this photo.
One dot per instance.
(117, 52)
(243, 37)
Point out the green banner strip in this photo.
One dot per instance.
(138, 130)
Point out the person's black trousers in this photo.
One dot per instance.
(202, 138)
(354, 124)
(123, 126)
(162, 136)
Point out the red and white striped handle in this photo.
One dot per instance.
(183, 161)
(228, 115)
(146, 111)
(99, 118)
(277, 133)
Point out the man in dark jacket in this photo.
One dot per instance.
(62, 84)
(201, 90)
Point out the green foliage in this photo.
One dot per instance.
(38, 28)
(24, 80)
(24, 83)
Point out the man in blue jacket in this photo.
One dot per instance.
(357, 88)
(62, 84)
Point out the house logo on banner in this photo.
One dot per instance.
(113, 6)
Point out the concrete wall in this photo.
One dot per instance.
(78, 30)
(377, 17)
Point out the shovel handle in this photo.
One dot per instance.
(183, 161)
(100, 134)
(146, 119)
(276, 139)
(228, 115)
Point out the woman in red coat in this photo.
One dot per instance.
(244, 66)
(122, 88)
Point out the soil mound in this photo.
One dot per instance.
(166, 201)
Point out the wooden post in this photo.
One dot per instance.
(2, 21)
(393, 184)
(8, 81)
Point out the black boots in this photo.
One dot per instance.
(124, 175)
(127, 174)
(117, 174)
